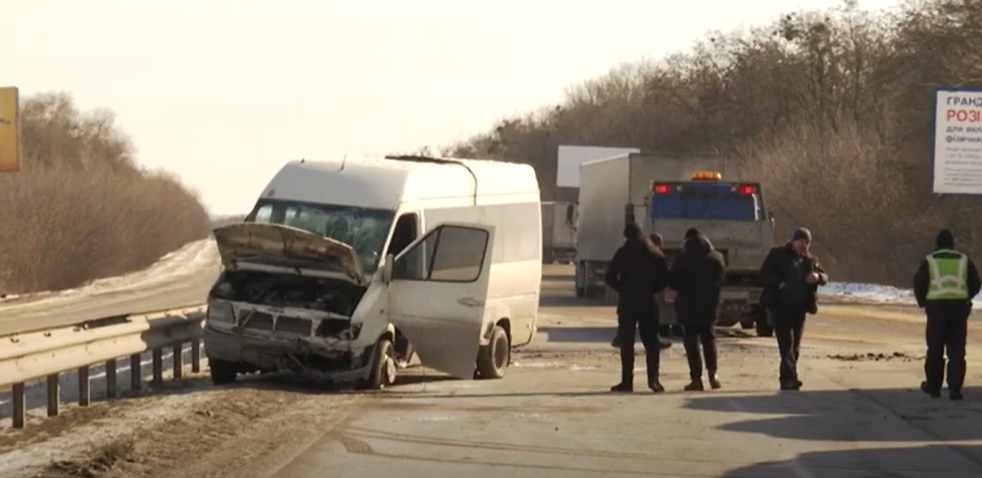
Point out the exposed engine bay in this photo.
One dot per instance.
(289, 290)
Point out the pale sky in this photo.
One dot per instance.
(223, 93)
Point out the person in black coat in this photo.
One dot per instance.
(637, 272)
(655, 240)
(697, 274)
(791, 276)
(944, 286)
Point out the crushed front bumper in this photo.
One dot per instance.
(310, 357)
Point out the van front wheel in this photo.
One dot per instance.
(383, 366)
(493, 358)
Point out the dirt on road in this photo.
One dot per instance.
(859, 414)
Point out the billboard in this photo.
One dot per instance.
(570, 158)
(9, 150)
(957, 157)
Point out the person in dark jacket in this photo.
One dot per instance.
(637, 272)
(663, 344)
(791, 276)
(697, 274)
(944, 286)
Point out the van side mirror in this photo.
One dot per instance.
(387, 268)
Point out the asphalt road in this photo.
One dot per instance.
(189, 286)
(858, 415)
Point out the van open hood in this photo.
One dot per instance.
(276, 244)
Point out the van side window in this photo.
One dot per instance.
(448, 254)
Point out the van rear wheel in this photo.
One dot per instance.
(493, 358)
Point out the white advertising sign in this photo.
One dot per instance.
(958, 142)
(570, 158)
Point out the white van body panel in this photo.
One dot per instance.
(506, 203)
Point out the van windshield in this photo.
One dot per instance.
(365, 230)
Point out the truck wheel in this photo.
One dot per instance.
(383, 366)
(222, 372)
(665, 330)
(678, 331)
(493, 358)
(764, 322)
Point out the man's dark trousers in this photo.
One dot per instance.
(645, 321)
(693, 335)
(945, 334)
(789, 326)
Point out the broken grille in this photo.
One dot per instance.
(258, 321)
(293, 325)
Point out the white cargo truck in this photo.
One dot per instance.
(668, 194)
(559, 231)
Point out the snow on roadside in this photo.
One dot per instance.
(187, 260)
(874, 292)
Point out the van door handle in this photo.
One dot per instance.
(470, 302)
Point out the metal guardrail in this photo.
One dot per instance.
(49, 353)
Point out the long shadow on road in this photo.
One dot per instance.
(856, 415)
(953, 461)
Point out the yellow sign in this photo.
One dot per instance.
(9, 151)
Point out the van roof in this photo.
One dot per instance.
(384, 183)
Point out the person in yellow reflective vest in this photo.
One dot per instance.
(944, 286)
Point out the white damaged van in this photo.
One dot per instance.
(344, 270)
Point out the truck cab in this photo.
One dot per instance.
(733, 216)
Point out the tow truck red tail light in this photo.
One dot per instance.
(662, 189)
(746, 190)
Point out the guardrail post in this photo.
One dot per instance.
(111, 378)
(178, 361)
(19, 406)
(54, 395)
(136, 372)
(195, 355)
(158, 366)
(83, 386)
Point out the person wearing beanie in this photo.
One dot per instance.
(791, 275)
(944, 285)
(637, 272)
(697, 274)
(656, 240)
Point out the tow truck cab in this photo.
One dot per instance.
(733, 216)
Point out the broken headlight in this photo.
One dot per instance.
(221, 313)
(351, 333)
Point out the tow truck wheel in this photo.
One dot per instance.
(383, 366)
(222, 372)
(493, 358)
(665, 330)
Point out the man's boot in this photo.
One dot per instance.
(932, 393)
(655, 386)
(695, 386)
(714, 381)
(623, 387)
